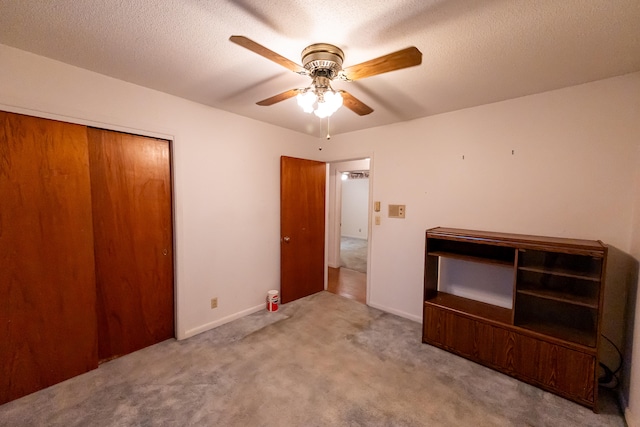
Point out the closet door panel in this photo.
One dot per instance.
(131, 194)
(47, 282)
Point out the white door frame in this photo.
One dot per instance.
(334, 210)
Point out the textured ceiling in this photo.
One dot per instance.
(474, 52)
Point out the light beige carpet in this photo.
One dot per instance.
(320, 361)
(353, 254)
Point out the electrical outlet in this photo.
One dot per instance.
(214, 302)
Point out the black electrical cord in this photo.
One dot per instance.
(619, 354)
(605, 380)
(610, 375)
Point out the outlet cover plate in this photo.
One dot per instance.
(397, 211)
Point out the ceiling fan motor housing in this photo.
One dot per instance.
(322, 59)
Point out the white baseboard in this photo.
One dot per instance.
(202, 328)
(219, 322)
(207, 326)
(631, 419)
(396, 312)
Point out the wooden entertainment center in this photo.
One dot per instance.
(549, 336)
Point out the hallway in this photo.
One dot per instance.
(348, 283)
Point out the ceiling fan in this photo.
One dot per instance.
(323, 63)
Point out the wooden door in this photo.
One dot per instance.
(131, 194)
(302, 219)
(47, 281)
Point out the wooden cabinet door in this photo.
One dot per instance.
(47, 281)
(434, 326)
(483, 342)
(470, 338)
(569, 371)
(131, 194)
(460, 334)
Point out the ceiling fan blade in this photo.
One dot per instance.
(354, 104)
(269, 54)
(279, 97)
(404, 58)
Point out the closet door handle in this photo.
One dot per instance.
(286, 239)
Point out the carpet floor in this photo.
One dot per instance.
(323, 360)
(353, 254)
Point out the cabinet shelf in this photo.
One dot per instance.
(468, 306)
(471, 250)
(579, 336)
(561, 297)
(473, 258)
(563, 273)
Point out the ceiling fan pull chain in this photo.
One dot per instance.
(328, 134)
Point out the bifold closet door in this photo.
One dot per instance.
(47, 282)
(131, 196)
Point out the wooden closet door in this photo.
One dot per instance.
(47, 282)
(131, 195)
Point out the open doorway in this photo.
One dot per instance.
(349, 229)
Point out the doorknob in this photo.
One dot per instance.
(165, 252)
(286, 239)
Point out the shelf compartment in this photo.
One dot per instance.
(577, 336)
(471, 307)
(558, 319)
(566, 273)
(568, 290)
(560, 264)
(560, 297)
(471, 251)
(471, 258)
(488, 283)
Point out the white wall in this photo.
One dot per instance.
(631, 380)
(226, 172)
(570, 175)
(355, 208)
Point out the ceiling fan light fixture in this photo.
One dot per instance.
(306, 100)
(331, 103)
(319, 98)
(322, 104)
